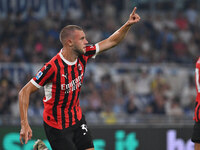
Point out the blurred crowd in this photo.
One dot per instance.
(160, 37)
(171, 36)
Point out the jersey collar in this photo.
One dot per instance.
(65, 60)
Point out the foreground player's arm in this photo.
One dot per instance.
(24, 94)
(119, 35)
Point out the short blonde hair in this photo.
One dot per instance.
(67, 32)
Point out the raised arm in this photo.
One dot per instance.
(119, 35)
(24, 94)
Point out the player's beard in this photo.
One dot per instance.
(79, 51)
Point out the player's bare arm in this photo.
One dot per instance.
(119, 35)
(24, 94)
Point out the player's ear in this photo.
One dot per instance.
(69, 42)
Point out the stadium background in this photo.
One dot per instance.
(140, 92)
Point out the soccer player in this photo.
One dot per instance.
(62, 77)
(196, 128)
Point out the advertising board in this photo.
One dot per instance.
(113, 138)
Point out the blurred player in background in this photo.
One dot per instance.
(62, 77)
(196, 128)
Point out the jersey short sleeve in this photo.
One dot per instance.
(92, 50)
(43, 76)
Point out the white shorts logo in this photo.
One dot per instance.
(84, 127)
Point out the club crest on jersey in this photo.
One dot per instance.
(39, 74)
(79, 67)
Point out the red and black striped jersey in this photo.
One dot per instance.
(197, 80)
(62, 82)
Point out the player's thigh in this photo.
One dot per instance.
(62, 144)
(196, 133)
(83, 137)
(59, 139)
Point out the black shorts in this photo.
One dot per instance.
(196, 133)
(76, 137)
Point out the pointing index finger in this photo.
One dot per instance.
(134, 10)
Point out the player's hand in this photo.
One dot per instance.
(134, 17)
(25, 133)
